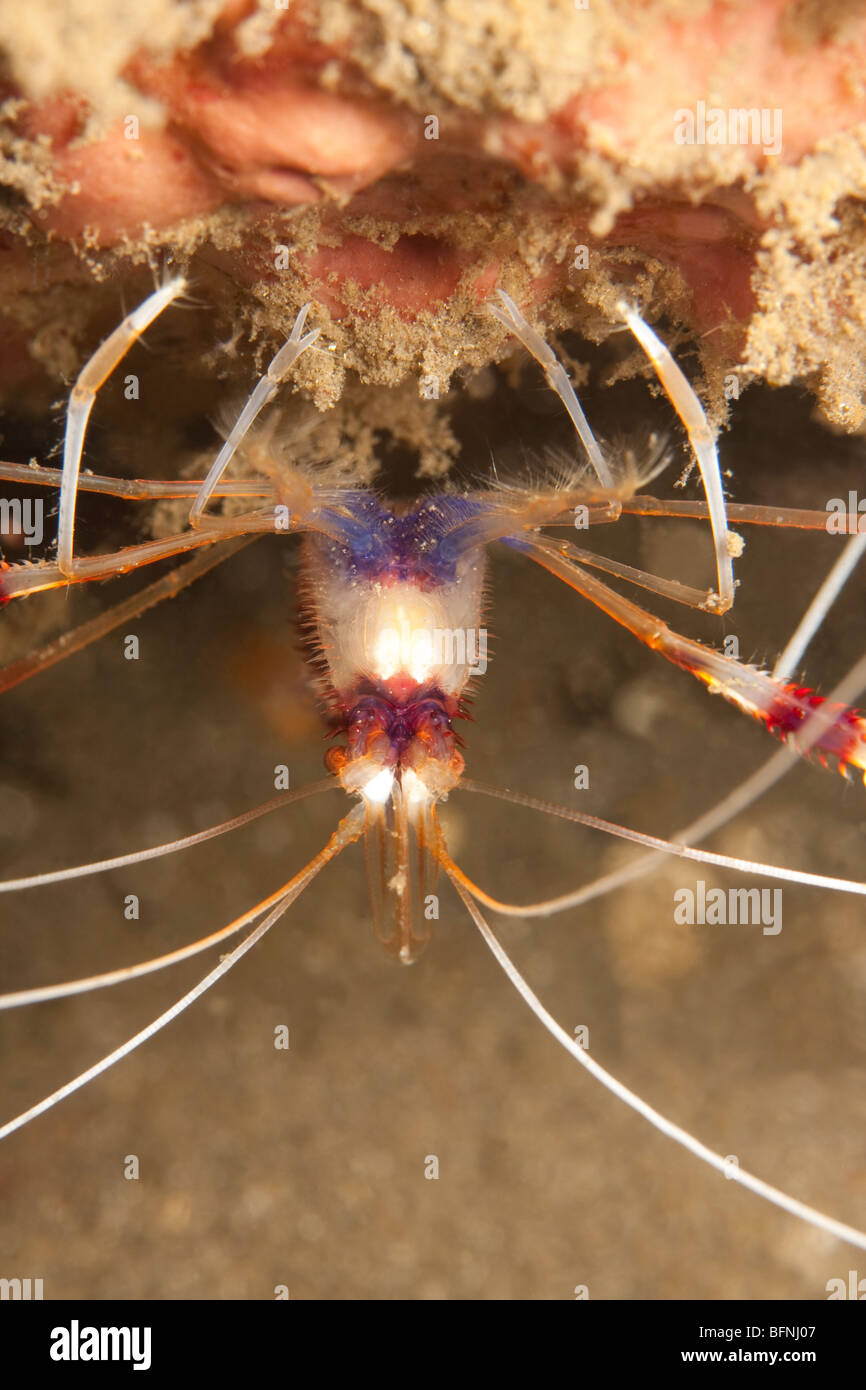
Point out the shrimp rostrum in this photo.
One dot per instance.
(392, 606)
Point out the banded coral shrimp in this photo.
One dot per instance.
(355, 1199)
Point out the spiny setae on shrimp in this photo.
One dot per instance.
(392, 604)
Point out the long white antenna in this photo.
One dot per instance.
(660, 1122)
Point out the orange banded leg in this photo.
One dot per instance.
(75, 640)
(781, 707)
(94, 374)
(17, 581)
(264, 391)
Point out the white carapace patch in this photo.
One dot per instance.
(381, 630)
(404, 634)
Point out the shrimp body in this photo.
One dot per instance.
(392, 606)
(391, 600)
